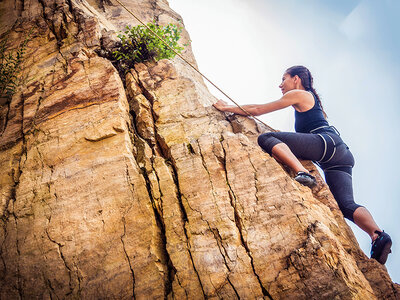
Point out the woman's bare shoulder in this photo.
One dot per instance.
(300, 93)
(304, 100)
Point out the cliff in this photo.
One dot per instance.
(146, 191)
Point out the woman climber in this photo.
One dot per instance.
(315, 140)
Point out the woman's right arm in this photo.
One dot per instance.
(289, 99)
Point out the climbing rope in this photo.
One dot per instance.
(191, 65)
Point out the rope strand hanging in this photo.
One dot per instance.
(192, 66)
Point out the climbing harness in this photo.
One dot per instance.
(329, 143)
(324, 128)
(343, 168)
(329, 149)
(191, 65)
(330, 146)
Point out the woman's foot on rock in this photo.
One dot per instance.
(306, 179)
(381, 247)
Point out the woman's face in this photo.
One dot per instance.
(288, 83)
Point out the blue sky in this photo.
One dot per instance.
(352, 49)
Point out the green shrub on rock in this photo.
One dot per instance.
(139, 44)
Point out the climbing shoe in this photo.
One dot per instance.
(306, 179)
(381, 247)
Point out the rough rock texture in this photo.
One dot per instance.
(147, 191)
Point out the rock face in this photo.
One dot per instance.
(147, 191)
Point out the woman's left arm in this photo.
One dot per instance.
(290, 98)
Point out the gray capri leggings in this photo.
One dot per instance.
(328, 150)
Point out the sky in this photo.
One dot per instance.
(352, 49)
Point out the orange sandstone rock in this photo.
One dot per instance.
(146, 191)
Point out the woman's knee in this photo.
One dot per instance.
(267, 141)
(340, 184)
(348, 210)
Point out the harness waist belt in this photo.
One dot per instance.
(323, 129)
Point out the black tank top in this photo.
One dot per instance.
(311, 119)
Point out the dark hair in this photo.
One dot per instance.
(306, 80)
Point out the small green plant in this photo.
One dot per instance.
(139, 44)
(10, 67)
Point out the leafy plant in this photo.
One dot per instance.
(10, 66)
(139, 44)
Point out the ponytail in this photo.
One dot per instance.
(312, 90)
